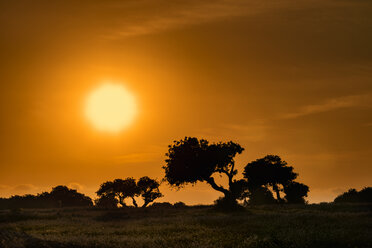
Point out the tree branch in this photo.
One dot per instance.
(211, 181)
(231, 174)
(134, 202)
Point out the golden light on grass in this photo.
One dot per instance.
(110, 107)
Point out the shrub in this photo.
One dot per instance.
(353, 196)
(106, 202)
(225, 204)
(161, 205)
(179, 205)
(260, 196)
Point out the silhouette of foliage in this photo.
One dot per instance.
(60, 196)
(260, 196)
(69, 197)
(270, 171)
(148, 189)
(161, 205)
(192, 160)
(106, 202)
(121, 189)
(179, 205)
(296, 192)
(354, 196)
(225, 204)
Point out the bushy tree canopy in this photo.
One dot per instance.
(270, 171)
(149, 190)
(296, 192)
(68, 197)
(191, 160)
(121, 189)
(354, 196)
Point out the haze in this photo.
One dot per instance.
(291, 78)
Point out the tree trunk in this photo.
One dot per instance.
(121, 201)
(277, 191)
(134, 202)
(229, 198)
(216, 187)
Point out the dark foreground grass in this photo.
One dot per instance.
(267, 227)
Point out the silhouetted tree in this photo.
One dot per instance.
(296, 192)
(365, 195)
(121, 189)
(60, 196)
(69, 197)
(270, 171)
(354, 196)
(148, 190)
(191, 160)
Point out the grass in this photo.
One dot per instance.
(323, 225)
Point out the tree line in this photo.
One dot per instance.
(59, 196)
(267, 180)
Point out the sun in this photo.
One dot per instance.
(110, 107)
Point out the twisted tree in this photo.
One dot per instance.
(269, 171)
(120, 190)
(148, 190)
(192, 160)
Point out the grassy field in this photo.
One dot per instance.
(324, 225)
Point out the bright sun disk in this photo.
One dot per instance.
(110, 107)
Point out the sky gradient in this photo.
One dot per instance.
(292, 78)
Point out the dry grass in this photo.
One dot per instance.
(268, 226)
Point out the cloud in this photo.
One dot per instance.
(254, 131)
(167, 15)
(24, 188)
(21, 189)
(4, 187)
(76, 186)
(331, 105)
(176, 14)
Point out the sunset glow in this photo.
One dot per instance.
(97, 90)
(110, 107)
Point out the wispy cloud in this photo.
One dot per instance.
(21, 189)
(251, 132)
(331, 105)
(76, 186)
(167, 15)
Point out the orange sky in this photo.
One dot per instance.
(278, 77)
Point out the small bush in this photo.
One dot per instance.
(261, 196)
(226, 204)
(179, 205)
(161, 205)
(106, 202)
